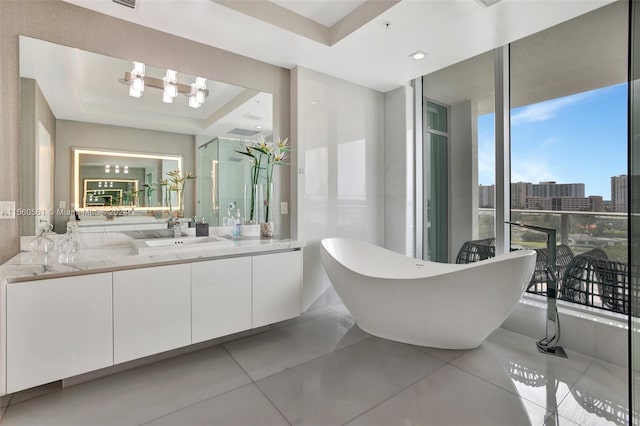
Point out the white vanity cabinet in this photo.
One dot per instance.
(57, 328)
(61, 327)
(277, 289)
(220, 297)
(151, 311)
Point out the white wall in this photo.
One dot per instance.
(399, 171)
(463, 176)
(339, 130)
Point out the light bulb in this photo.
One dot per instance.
(201, 83)
(171, 76)
(193, 102)
(138, 84)
(138, 69)
(133, 92)
(200, 96)
(170, 90)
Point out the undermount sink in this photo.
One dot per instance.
(183, 243)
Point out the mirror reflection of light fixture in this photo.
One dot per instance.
(136, 86)
(126, 169)
(117, 169)
(197, 92)
(107, 168)
(170, 90)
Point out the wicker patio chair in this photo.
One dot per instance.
(538, 283)
(594, 280)
(475, 250)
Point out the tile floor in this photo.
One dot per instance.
(320, 369)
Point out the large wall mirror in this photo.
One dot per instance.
(95, 117)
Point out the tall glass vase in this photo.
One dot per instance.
(252, 206)
(266, 196)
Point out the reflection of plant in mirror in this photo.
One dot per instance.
(129, 197)
(269, 154)
(176, 182)
(149, 189)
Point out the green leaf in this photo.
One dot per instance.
(255, 148)
(247, 154)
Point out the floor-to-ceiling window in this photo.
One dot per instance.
(569, 145)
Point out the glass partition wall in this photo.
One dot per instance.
(569, 134)
(569, 153)
(223, 175)
(573, 163)
(458, 153)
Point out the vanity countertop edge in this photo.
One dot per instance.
(27, 266)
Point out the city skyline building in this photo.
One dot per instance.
(550, 195)
(619, 185)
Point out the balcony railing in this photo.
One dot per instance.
(598, 277)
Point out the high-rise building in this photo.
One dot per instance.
(487, 196)
(619, 187)
(519, 193)
(553, 189)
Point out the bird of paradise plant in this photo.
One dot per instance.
(264, 157)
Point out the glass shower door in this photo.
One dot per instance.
(207, 183)
(435, 183)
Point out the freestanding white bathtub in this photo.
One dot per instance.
(425, 303)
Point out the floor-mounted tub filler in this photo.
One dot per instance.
(424, 303)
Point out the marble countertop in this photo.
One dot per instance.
(115, 252)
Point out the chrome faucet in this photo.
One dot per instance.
(177, 232)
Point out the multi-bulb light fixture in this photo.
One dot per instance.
(197, 92)
(116, 168)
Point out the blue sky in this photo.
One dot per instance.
(580, 138)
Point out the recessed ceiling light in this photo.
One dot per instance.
(314, 102)
(418, 55)
(258, 127)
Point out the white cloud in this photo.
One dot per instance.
(545, 110)
(536, 165)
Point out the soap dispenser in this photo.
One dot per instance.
(202, 229)
(237, 225)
